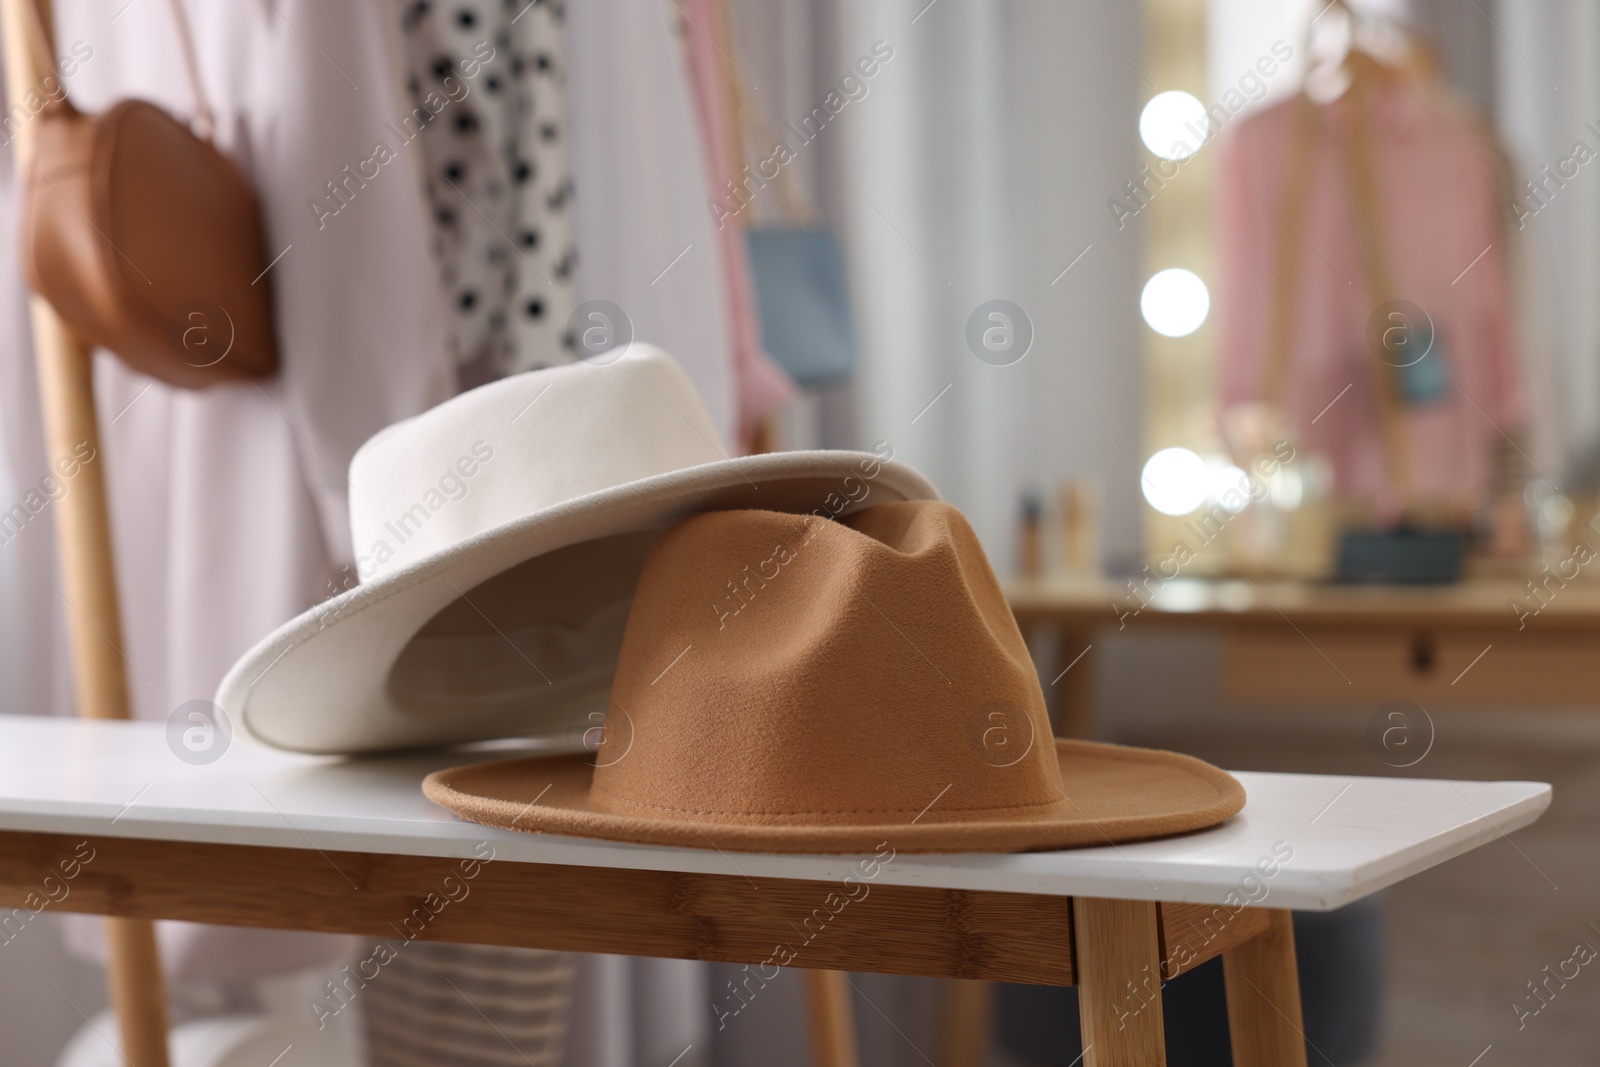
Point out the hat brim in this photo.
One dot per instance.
(1112, 794)
(321, 682)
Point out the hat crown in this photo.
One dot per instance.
(525, 443)
(787, 670)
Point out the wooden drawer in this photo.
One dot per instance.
(1452, 665)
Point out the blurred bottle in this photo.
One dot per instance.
(1080, 527)
(1030, 554)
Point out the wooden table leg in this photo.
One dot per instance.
(833, 1024)
(1264, 998)
(968, 1012)
(1119, 982)
(1069, 699)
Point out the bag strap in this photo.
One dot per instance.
(44, 59)
(1367, 201)
(39, 43)
(751, 120)
(1287, 257)
(204, 122)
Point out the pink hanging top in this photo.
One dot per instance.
(1443, 239)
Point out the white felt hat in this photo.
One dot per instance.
(498, 539)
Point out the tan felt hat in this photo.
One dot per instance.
(792, 684)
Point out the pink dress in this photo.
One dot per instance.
(1443, 239)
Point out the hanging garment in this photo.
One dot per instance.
(1441, 222)
(228, 506)
(487, 83)
(467, 1006)
(646, 238)
(761, 386)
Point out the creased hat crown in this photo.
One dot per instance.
(787, 670)
(525, 443)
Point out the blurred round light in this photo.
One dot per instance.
(1556, 511)
(1175, 302)
(1229, 486)
(1174, 125)
(1175, 481)
(1287, 488)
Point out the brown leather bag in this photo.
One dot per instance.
(145, 239)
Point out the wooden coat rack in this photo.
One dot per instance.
(88, 571)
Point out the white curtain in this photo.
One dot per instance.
(645, 238)
(1542, 46)
(978, 169)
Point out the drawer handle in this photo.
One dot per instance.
(1424, 653)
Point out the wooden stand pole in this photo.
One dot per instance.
(82, 519)
(1264, 998)
(88, 574)
(833, 1028)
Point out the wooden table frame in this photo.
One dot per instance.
(1112, 950)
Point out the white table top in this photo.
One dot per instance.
(1349, 836)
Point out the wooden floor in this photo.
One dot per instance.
(1466, 938)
